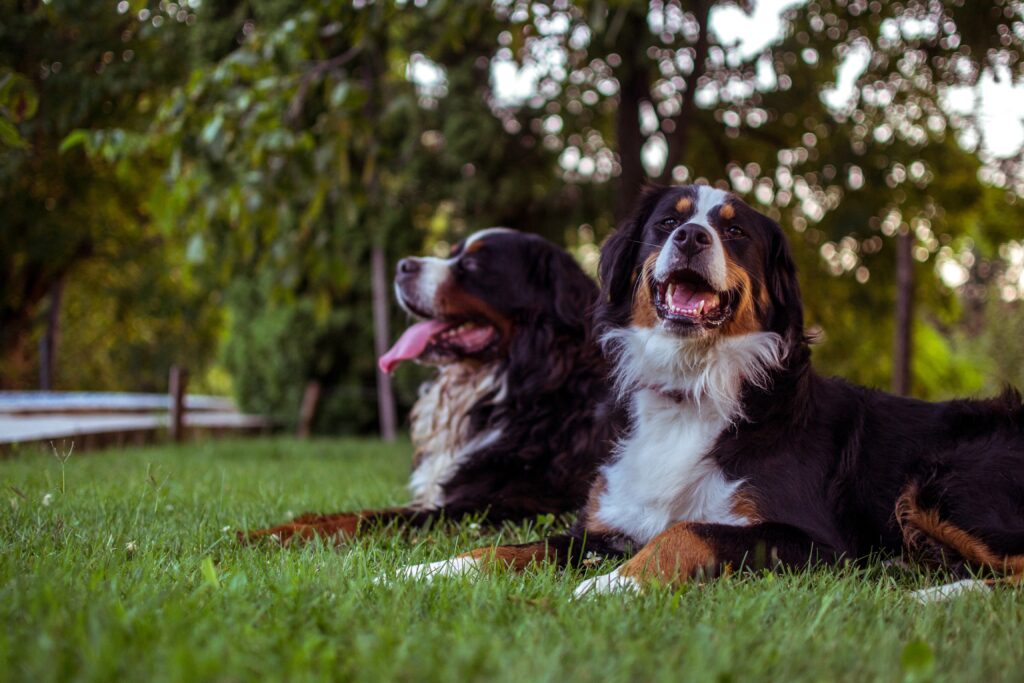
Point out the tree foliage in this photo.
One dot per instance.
(75, 72)
(268, 146)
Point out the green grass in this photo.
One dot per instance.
(133, 573)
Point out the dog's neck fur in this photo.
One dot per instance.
(708, 373)
(441, 429)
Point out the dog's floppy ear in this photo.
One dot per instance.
(542, 352)
(619, 256)
(783, 287)
(572, 293)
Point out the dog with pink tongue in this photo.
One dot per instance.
(513, 424)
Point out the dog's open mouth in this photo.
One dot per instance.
(440, 339)
(687, 300)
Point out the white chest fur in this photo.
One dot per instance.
(662, 472)
(440, 427)
(662, 475)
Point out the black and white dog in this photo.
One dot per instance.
(735, 453)
(511, 426)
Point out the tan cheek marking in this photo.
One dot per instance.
(672, 556)
(684, 204)
(644, 314)
(452, 301)
(727, 212)
(744, 317)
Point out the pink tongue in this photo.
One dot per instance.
(411, 344)
(684, 298)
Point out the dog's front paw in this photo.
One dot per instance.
(612, 582)
(454, 566)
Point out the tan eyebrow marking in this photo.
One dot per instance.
(684, 204)
(475, 245)
(727, 211)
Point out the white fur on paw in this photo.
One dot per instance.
(612, 582)
(949, 591)
(453, 566)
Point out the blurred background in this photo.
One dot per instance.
(226, 184)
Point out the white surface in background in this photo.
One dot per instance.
(54, 401)
(27, 428)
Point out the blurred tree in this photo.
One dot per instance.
(873, 175)
(93, 68)
(330, 134)
(304, 142)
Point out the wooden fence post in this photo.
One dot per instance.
(307, 413)
(179, 384)
(381, 295)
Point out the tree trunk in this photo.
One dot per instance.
(903, 339)
(50, 342)
(633, 89)
(630, 141)
(385, 396)
(679, 139)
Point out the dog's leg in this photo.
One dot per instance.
(338, 527)
(691, 550)
(564, 550)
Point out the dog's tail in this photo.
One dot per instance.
(938, 541)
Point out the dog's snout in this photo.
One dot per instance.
(408, 266)
(692, 238)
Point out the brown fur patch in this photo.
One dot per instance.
(516, 558)
(336, 528)
(590, 511)
(727, 212)
(454, 302)
(744, 505)
(684, 204)
(744, 317)
(475, 245)
(672, 556)
(929, 537)
(644, 313)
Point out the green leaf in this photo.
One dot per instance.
(74, 139)
(338, 94)
(9, 135)
(210, 573)
(212, 129)
(917, 660)
(17, 96)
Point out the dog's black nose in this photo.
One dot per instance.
(692, 238)
(408, 266)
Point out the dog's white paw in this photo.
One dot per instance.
(612, 582)
(453, 566)
(949, 591)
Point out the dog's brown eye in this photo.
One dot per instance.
(734, 231)
(469, 265)
(670, 223)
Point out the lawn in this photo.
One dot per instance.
(125, 567)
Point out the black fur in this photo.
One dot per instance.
(831, 462)
(552, 428)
